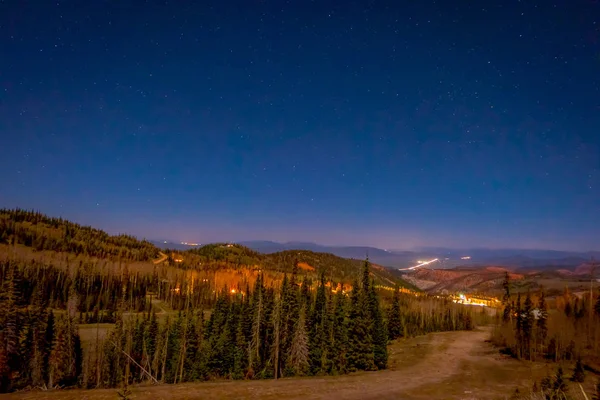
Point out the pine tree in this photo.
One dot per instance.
(527, 326)
(24, 353)
(507, 313)
(316, 337)
(298, 360)
(366, 280)
(48, 338)
(578, 371)
(305, 293)
(378, 330)
(59, 356)
(37, 321)
(150, 337)
(284, 334)
(360, 342)
(255, 361)
(394, 319)
(340, 334)
(240, 356)
(290, 314)
(519, 327)
(9, 294)
(193, 348)
(329, 348)
(541, 323)
(276, 348)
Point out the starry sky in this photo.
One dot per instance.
(386, 123)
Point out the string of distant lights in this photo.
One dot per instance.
(421, 264)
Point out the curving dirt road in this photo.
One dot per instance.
(449, 365)
(162, 258)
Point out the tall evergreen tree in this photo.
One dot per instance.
(316, 337)
(298, 360)
(378, 329)
(276, 348)
(527, 321)
(360, 341)
(240, 356)
(48, 339)
(60, 356)
(305, 294)
(542, 321)
(394, 318)
(366, 276)
(339, 341)
(258, 306)
(519, 327)
(9, 318)
(289, 315)
(507, 312)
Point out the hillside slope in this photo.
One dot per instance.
(40, 233)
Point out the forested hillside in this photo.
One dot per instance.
(40, 232)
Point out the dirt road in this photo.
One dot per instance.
(449, 365)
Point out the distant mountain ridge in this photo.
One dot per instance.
(448, 258)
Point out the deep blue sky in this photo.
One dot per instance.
(393, 124)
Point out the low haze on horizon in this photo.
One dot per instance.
(172, 232)
(389, 124)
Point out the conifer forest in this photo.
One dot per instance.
(83, 312)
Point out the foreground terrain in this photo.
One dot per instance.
(449, 365)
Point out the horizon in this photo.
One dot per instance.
(412, 249)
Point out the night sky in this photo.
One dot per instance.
(393, 124)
